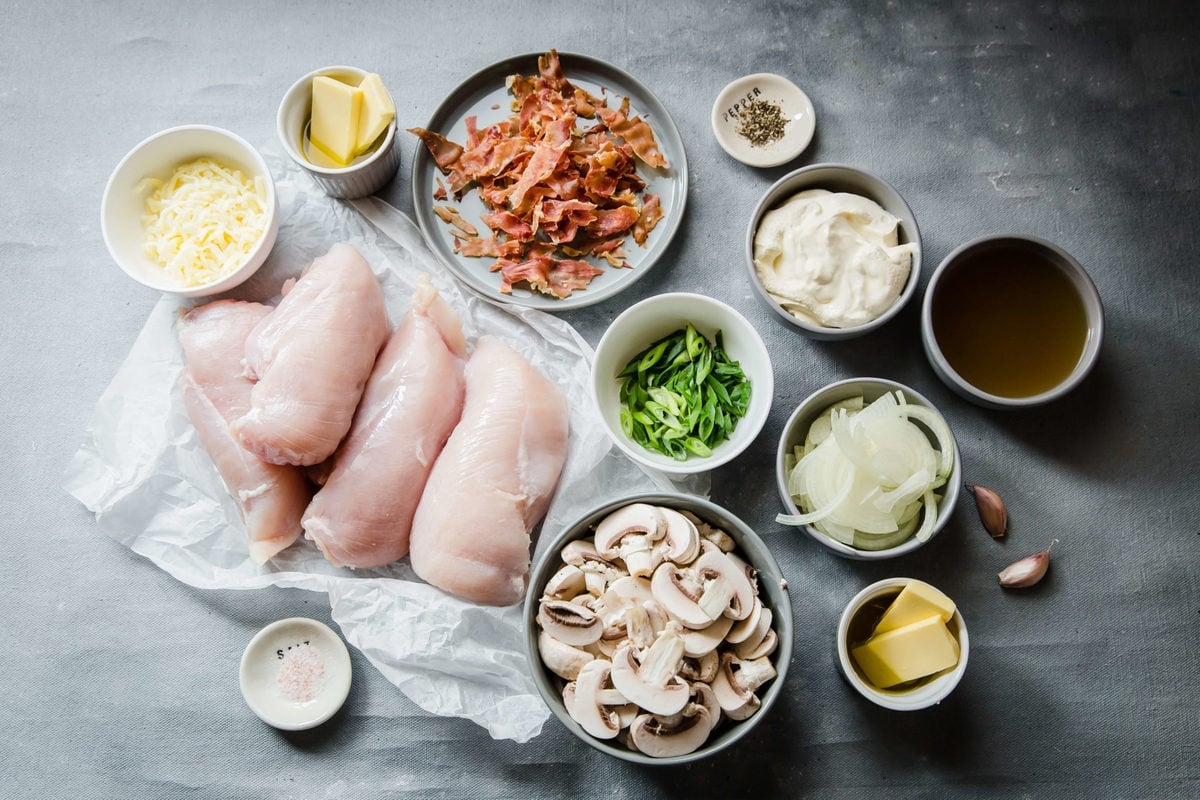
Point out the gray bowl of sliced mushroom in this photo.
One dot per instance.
(658, 628)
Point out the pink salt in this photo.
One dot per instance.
(301, 673)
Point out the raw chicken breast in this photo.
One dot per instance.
(362, 516)
(270, 498)
(311, 359)
(493, 481)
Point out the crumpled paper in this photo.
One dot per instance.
(152, 487)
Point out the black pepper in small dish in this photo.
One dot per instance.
(761, 122)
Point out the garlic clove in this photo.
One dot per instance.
(1028, 571)
(992, 512)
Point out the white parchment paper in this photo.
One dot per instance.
(152, 487)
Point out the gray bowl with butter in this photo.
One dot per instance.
(838, 178)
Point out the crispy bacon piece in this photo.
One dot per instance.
(551, 187)
(478, 247)
(444, 151)
(546, 275)
(651, 214)
(637, 133)
(512, 225)
(451, 217)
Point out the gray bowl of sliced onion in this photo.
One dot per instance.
(869, 468)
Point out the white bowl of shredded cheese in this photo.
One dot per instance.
(190, 211)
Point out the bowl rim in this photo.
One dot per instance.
(296, 89)
(946, 505)
(261, 250)
(693, 464)
(764, 562)
(1089, 295)
(893, 700)
(768, 201)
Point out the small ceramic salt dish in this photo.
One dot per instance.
(295, 674)
(908, 697)
(734, 125)
(365, 175)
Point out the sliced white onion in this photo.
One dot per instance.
(864, 476)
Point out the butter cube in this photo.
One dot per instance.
(906, 654)
(916, 601)
(336, 107)
(377, 113)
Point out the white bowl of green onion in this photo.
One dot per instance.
(683, 383)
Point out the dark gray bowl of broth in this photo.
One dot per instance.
(1011, 321)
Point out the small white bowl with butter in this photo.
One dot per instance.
(190, 211)
(834, 251)
(356, 115)
(908, 635)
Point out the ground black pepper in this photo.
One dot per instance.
(761, 122)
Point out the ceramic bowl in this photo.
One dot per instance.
(295, 674)
(642, 324)
(794, 106)
(1049, 256)
(773, 593)
(796, 428)
(366, 175)
(157, 157)
(925, 694)
(837, 178)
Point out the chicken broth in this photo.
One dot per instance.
(1009, 321)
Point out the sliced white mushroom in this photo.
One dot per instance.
(676, 735)
(696, 598)
(654, 683)
(740, 600)
(611, 607)
(568, 582)
(702, 669)
(703, 695)
(626, 714)
(706, 640)
(637, 625)
(715, 535)
(764, 648)
(751, 572)
(609, 647)
(736, 683)
(635, 590)
(569, 622)
(630, 533)
(587, 708)
(574, 552)
(746, 628)
(681, 541)
(568, 695)
(598, 573)
(562, 659)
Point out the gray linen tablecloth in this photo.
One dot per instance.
(1074, 121)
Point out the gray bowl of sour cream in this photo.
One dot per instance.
(833, 250)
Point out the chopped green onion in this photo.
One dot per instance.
(682, 395)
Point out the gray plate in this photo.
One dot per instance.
(476, 96)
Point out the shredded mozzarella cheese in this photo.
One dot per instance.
(203, 222)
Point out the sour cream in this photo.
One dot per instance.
(832, 259)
